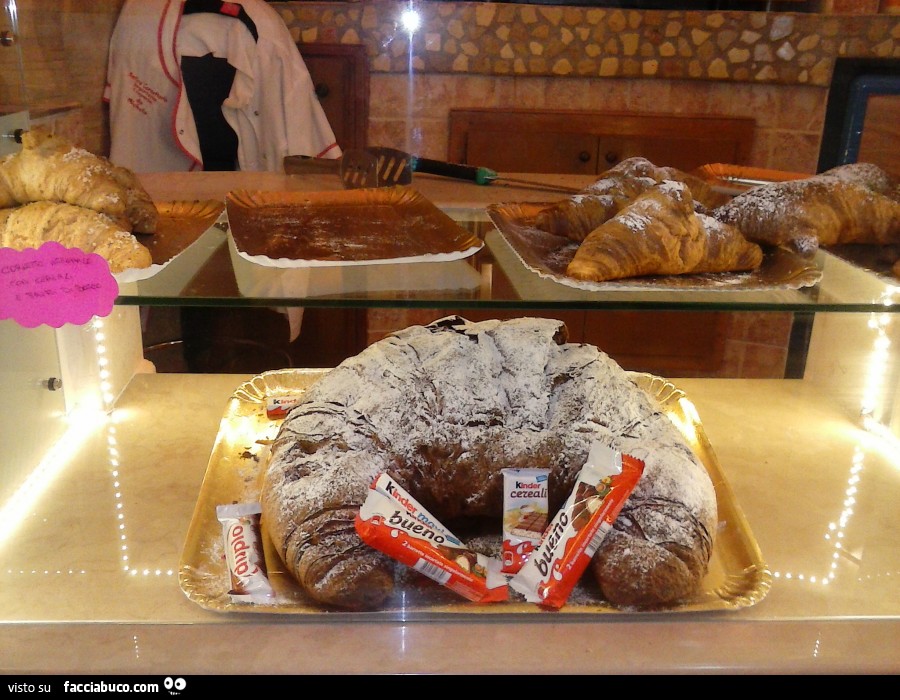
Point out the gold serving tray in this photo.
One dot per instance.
(547, 255)
(345, 227)
(738, 577)
(180, 224)
(741, 178)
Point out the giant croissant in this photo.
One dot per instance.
(659, 233)
(31, 225)
(849, 204)
(51, 168)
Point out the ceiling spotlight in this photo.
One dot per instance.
(410, 20)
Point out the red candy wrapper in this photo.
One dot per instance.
(393, 522)
(244, 552)
(570, 541)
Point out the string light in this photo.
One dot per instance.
(91, 418)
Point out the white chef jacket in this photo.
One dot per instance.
(272, 106)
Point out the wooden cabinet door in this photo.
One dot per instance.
(574, 141)
(530, 153)
(683, 152)
(340, 74)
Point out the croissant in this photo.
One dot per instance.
(33, 224)
(661, 234)
(644, 174)
(869, 175)
(51, 168)
(140, 210)
(577, 216)
(581, 213)
(836, 207)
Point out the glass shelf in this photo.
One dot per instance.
(211, 273)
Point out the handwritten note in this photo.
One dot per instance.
(54, 285)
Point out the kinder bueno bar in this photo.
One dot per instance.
(524, 514)
(244, 552)
(554, 567)
(392, 521)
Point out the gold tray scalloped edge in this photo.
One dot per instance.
(738, 576)
(181, 224)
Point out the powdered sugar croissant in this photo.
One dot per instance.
(659, 233)
(51, 168)
(578, 215)
(31, 225)
(843, 205)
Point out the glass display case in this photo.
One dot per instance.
(108, 463)
(100, 534)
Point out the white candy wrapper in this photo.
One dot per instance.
(244, 552)
(525, 516)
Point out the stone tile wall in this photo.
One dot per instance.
(775, 67)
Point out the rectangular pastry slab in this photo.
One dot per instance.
(350, 227)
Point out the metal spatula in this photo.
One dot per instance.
(396, 167)
(360, 169)
(384, 167)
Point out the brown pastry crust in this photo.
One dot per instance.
(51, 168)
(32, 225)
(659, 233)
(578, 215)
(444, 408)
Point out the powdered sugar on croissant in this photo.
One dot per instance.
(659, 233)
(844, 205)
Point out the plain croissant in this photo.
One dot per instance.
(31, 225)
(842, 205)
(659, 233)
(51, 168)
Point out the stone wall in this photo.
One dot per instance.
(775, 67)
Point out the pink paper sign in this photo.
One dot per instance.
(54, 285)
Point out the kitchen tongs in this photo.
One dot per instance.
(395, 167)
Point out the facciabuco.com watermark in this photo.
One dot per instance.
(168, 685)
(104, 687)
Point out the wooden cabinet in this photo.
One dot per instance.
(583, 142)
(340, 74)
(673, 343)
